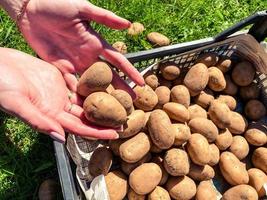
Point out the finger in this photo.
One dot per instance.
(75, 99)
(105, 17)
(79, 127)
(74, 110)
(71, 81)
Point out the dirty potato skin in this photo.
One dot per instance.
(209, 59)
(231, 88)
(255, 110)
(136, 28)
(204, 98)
(257, 179)
(243, 73)
(132, 195)
(206, 191)
(163, 94)
(158, 39)
(224, 64)
(256, 134)
(120, 47)
(176, 111)
(239, 147)
(201, 173)
(214, 155)
(228, 100)
(159, 161)
(240, 192)
(259, 158)
(151, 79)
(125, 100)
(224, 139)
(182, 134)
(169, 70)
(251, 91)
(196, 111)
(216, 79)
(180, 94)
(146, 98)
(159, 193)
(238, 123)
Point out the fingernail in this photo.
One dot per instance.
(57, 137)
(117, 136)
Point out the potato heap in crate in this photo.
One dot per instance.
(181, 131)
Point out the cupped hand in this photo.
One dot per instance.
(60, 32)
(36, 92)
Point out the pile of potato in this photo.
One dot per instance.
(181, 131)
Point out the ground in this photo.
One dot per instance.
(26, 157)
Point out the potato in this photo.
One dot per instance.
(159, 161)
(136, 28)
(48, 190)
(201, 173)
(256, 134)
(181, 95)
(110, 89)
(228, 100)
(120, 47)
(133, 125)
(100, 162)
(164, 82)
(197, 79)
(158, 39)
(114, 180)
(198, 149)
(239, 147)
(220, 114)
(206, 191)
(159, 193)
(257, 179)
(150, 172)
(243, 73)
(216, 79)
(209, 59)
(176, 162)
(132, 195)
(238, 124)
(147, 115)
(169, 70)
(204, 98)
(125, 100)
(114, 145)
(259, 158)
(233, 171)
(205, 127)
(146, 98)
(135, 148)
(182, 134)
(224, 64)
(231, 88)
(103, 109)
(240, 192)
(224, 139)
(155, 149)
(176, 111)
(151, 79)
(160, 129)
(127, 168)
(255, 110)
(163, 94)
(251, 91)
(214, 155)
(196, 111)
(90, 80)
(181, 188)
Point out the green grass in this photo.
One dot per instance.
(26, 157)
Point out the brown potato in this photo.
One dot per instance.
(120, 47)
(228, 100)
(201, 173)
(163, 94)
(204, 98)
(224, 64)
(90, 80)
(146, 98)
(232, 169)
(110, 89)
(114, 145)
(176, 111)
(198, 149)
(259, 158)
(159, 193)
(243, 73)
(155, 149)
(136, 28)
(251, 91)
(133, 125)
(103, 109)
(220, 114)
(197, 79)
(224, 139)
(196, 111)
(100, 162)
(176, 162)
(231, 88)
(135, 148)
(182, 134)
(158, 39)
(205, 127)
(159, 161)
(169, 70)
(257, 179)
(48, 190)
(151, 79)
(132, 195)
(214, 155)
(150, 172)
(216, 79)
(240, 192)
(238, 124)
(256, 134)
(209, 59)
(181, 188)
(160, 129)
(255, 110)
(206, 191)
(147, 115)
(114, 180)
(239, 147)
(180, 94)
(125, 100)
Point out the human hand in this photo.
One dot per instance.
(36, 92)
